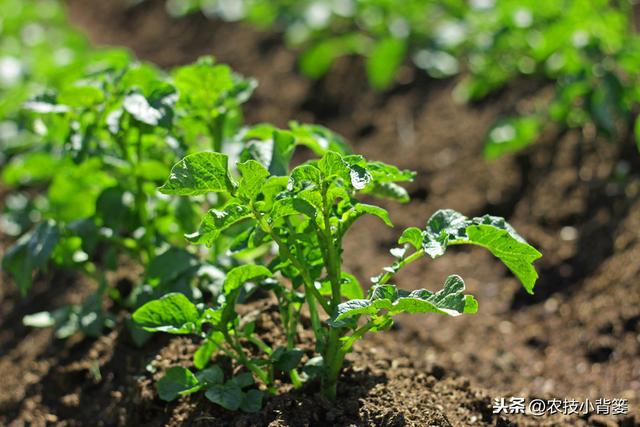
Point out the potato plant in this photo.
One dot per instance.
(105, 143)
(304, 214)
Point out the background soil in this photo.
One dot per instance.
(573, 196)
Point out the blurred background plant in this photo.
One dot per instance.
(587, 49)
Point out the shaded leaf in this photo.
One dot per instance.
(199, 173)
(177, 381)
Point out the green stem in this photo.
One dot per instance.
(242, 358)
(216, 130)
(295, 378)
(333, 357)
(260, 344)
(141, 203)
(306, 277)
(408, 260)
(334, 365)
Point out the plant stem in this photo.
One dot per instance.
(408, 260)
(333, 358)
(260, 344)
(242, 358)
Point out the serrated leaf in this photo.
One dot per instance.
(199, 173)
(216, 221)
(177, 381)
(449, 301)
(31, 251)
(228, 396)
(173, 313)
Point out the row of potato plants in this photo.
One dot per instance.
(588, 49)
(108, 140)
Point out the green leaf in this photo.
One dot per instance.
(382, 173)
(199, 173)
(169, 266)
(254, 175)
(444, 225)
(448, 227)
(216, 221)
(319, 139)
(449, 301)
(273, 148)
(286, 360)
(413, 236)
(511, 135)
(292, 206)
(228, 396)
(351, 287)
(173, 313)
(360, 209)
(242, 380)
(31, 251)
(332, 165)
(203, 354)
(304, 176)
(384, 60)
(210, 376)
(177, 381)
(505, 245)
(252, 401)
(387, 190)
(80, 96)
(242, 274)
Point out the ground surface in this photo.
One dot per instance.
(578, 337)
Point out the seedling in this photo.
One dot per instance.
(106, 143)
(305, 215)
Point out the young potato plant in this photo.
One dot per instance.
(304, 216)
(106, 141)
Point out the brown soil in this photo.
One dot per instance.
(578, 337)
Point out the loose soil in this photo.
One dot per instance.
(573, 195)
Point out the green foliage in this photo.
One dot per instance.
(106, 142)
(306, 214)
(96, 147)
(587, 48)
